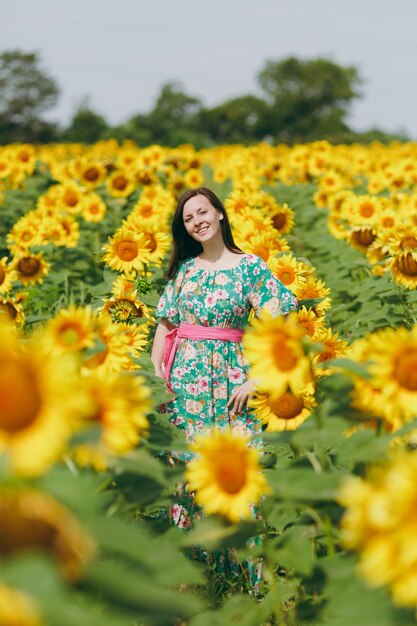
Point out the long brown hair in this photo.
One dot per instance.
(184, 245)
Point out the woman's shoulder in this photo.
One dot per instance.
(253, 261)
(184, 267)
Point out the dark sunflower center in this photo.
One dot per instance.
(120, 183)
(9, 309)
(279, 220)
(28, 266)
(287, 406)
(231, 471)
(283, 354)
(19, 396)
(71, 198)
(364, 236)
(146, 210)
(151, 242)
(367, 209)
(127, 250)
(406, 370)
(408, 243)
(91, 174)
(407, 265)
(286, 276)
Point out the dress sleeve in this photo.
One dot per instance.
(168, 303)
(267, 291)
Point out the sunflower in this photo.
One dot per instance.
(31, 268)
(282, 218)
(53, 232)
(274, 350)
(70, 197)
(145, 177)
(266, 246)
(283, 412)
(25, 157)
(12, 310)
(194, 178)
(307, 319)
(393, 370)
(17, 608)
(120, 184)
(321, 198)
(176, 184)
(38, 397)
(379, 522)
(127, 251)
(361, 237)
(125, 307)
(137, 336)
(403, 240)
(5, 167)
(364, 210)
(333, 347)
(71, 330)
(157, 242)
(331, 181)
(92, 174)
(144, 211)
(235, 203)
(226, 475)
(113, 350)
(119, 404)
(7, 276)
(314, 288)
(288, 270)
(32, 519)
(94, 209)
(24, 234)
(404, 269)
(71, 228)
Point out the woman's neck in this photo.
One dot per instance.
(213, 251)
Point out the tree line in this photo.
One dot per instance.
(300, 100)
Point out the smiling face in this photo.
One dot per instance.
(201, 220)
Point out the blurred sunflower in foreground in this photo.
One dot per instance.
(275, 352)
(31, 519)
(390, 390)
(17, 608)
(39, 398)
(226, 475)
(380, 522)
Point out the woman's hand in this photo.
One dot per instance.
(240, 396)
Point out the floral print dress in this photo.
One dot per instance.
(205, 372)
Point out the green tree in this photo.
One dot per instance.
(308, 99)
(174, 118)
(86, 125)
(245, 119)
(26, 91)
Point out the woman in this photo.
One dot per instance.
(212, 288)
(197, 348)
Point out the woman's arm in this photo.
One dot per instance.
(163, 328)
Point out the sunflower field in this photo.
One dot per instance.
(91, 482)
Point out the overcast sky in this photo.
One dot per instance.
(119, 52)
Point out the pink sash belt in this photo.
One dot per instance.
(194, 331)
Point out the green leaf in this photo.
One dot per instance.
(294, 550)
(303, 484)
(349, 600)
(213, 533)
